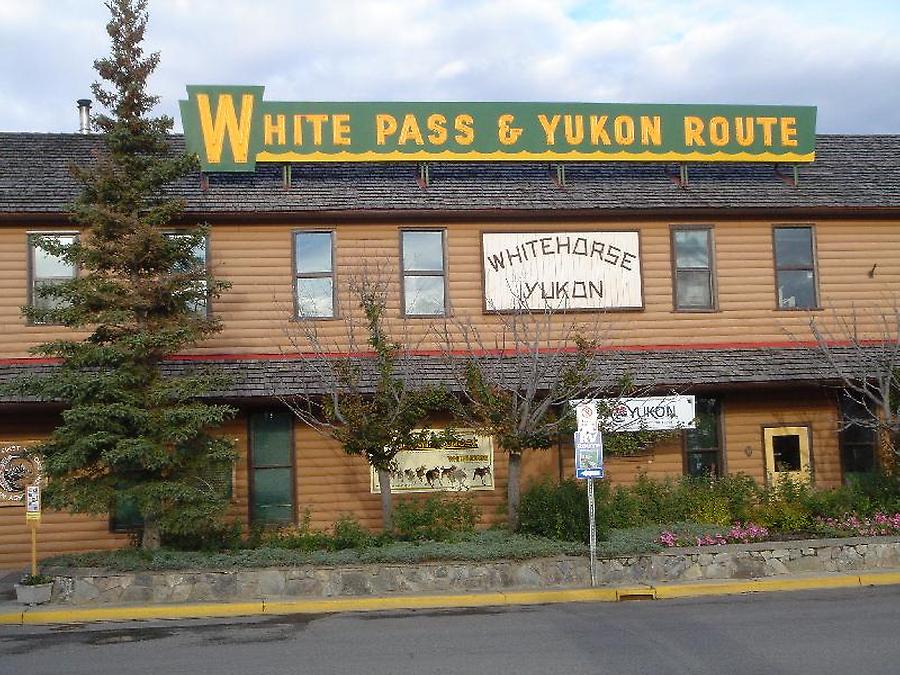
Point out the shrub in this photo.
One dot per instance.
(437, 518)
(555, 511)
(348, 533)
(218, 537)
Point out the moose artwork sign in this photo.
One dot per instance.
(457, 461)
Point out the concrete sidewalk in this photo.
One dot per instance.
(12, 613)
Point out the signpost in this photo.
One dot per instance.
(588, 466)
(624, 414)
(33, 518)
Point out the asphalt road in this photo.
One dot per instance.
(841, 631)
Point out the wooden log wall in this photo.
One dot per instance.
(256, 259)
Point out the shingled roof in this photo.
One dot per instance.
(681, 369)
(850, 172)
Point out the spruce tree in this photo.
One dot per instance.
(128, 432)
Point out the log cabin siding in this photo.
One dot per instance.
(257, 310)
(330, 484)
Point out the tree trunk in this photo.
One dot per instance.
(150, 538)
(512, 490)
(387, 509)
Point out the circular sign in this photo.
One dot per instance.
(18, 470)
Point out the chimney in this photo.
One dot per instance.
(84, 115)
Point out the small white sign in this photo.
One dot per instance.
(648, 413)
(561, 270)
(33, 502)
(586, 414)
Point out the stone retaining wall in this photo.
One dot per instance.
(737, 561)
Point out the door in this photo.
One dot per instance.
(787, 453)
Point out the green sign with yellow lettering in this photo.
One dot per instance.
(232, 127)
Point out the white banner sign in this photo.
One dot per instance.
(459, 464)
(648, 413)
(561, 270)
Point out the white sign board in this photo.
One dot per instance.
(648, 413)
(33, 502)
(561, 270)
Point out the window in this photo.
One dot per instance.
(314, 275)
(424, 286)
(271, 467)
(200, 304)
(858, 437)
(47, 269)
(795, 269)
(703, 445)
(693, 262)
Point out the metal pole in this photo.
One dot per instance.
(592, 529)
(33, 548)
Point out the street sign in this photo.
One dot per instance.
(33, 502)
(589, 454)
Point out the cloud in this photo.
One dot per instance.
(822, 53)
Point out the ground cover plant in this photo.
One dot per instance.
(647, 517)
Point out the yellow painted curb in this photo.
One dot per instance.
(368, 604)
(669, 591)
(879, 578)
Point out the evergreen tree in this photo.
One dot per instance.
(128, 433)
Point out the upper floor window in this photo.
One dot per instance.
(795, 268)
(703, 444)
(424, 273)
(692, 253)
(200, 303)
(47, 269)
(314, 274)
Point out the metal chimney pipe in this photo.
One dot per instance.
(84, 115)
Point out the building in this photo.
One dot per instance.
(732, 261)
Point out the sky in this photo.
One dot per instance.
(843, 57)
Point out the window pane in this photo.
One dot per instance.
(786, 452)
(793, 247)
(313, 252)
(693, 289)
(315, 297)
(692, 248)
(423, 252)
(271, 438)
(796, 288)
(273, 498)
(703, 464)
(45, 302)
(706, 434)
(46, 265)
(424, 295)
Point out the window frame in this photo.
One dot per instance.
(296, 276)
(710, 270)
(251, 467)
(814, 267)
(720, 437)
(30, 236)
(206, 257)
(424, 273)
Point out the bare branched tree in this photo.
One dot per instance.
(516, 377)
(862, 350)
(363, 393)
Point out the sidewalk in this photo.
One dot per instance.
(12, 613)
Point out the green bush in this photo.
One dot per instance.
(437, 518)
(220, 537)
(555, 510)
(348, 533)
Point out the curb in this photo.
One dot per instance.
(663, 591)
